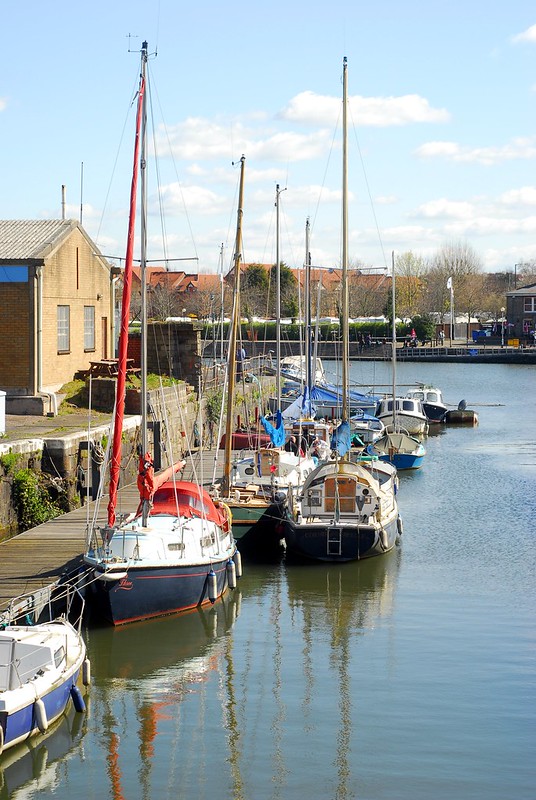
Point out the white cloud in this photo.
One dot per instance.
(519, 148)
(526, 196)
(386, 200)
(199, 138)
(446, 208)
(526, 36)
(196, 199)
(3, 103)
(308, 107)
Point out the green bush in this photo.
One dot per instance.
(31, 499)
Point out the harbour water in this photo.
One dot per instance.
(410, 676)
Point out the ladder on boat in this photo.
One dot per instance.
(334, 541)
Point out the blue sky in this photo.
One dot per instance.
(442, 124)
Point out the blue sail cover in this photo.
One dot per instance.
(331, 391)
(341, 439)
(277, 433)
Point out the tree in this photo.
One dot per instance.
(288, 296)
(410, 284)
(254, 283)
(457, 261)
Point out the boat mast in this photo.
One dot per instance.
(115, 463)
(345, 310)
(143, 273)
(308, 332)
(393, 334)
(277, 301)
(235, 322)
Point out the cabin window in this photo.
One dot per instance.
(176, 546)
(407, 405)
(64, 329)
(59, 656)
(433, 397)
(89, 328)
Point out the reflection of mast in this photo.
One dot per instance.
(230, 717)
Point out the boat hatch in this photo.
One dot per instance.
(341, 489)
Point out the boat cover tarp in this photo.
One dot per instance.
(277, 432)
(305, 405)
(341, 438)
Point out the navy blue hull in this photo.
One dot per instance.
(152, 592)
(23, 723)
(323, 542)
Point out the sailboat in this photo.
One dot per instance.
(257, 508)
(176, 550)
(397, 445)
(346, 510)
(278, 465)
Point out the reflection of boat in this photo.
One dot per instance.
(334, 606)
(39, 669)
(36, 764)
(345, 510)
(145, 675)
(175, 551)
(148, 649)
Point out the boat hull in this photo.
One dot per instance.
(147, 592)
(434, 413)
(321, 542)
(20, 717)
(403, 461)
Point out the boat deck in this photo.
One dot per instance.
(32, 562)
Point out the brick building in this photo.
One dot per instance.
(57, 300)
(521, 313)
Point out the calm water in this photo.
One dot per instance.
(409, 676)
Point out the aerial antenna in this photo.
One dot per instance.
(81, 189)
(137, 50)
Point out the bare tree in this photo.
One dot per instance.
(411, 285)
(458, 262)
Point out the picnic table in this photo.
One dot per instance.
(109, 368)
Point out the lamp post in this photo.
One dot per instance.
(502, 326)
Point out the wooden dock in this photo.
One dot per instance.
(34, 562)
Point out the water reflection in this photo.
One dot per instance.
(37, 766)
(144, 674)
(345, 602)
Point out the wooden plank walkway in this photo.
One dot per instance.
(34, 560)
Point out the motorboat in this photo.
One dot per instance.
(407, 412)
(432, 402)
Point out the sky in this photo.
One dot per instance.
(442, 125)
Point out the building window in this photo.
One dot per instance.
(64, 329)
(89, 328)
(530, 304)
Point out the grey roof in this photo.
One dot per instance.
(32, 239)
(523, 290)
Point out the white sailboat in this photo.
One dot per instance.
(176, 550)
(346, 510)
(401, 416)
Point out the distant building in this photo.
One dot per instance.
(521, 313)
(57, 300)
